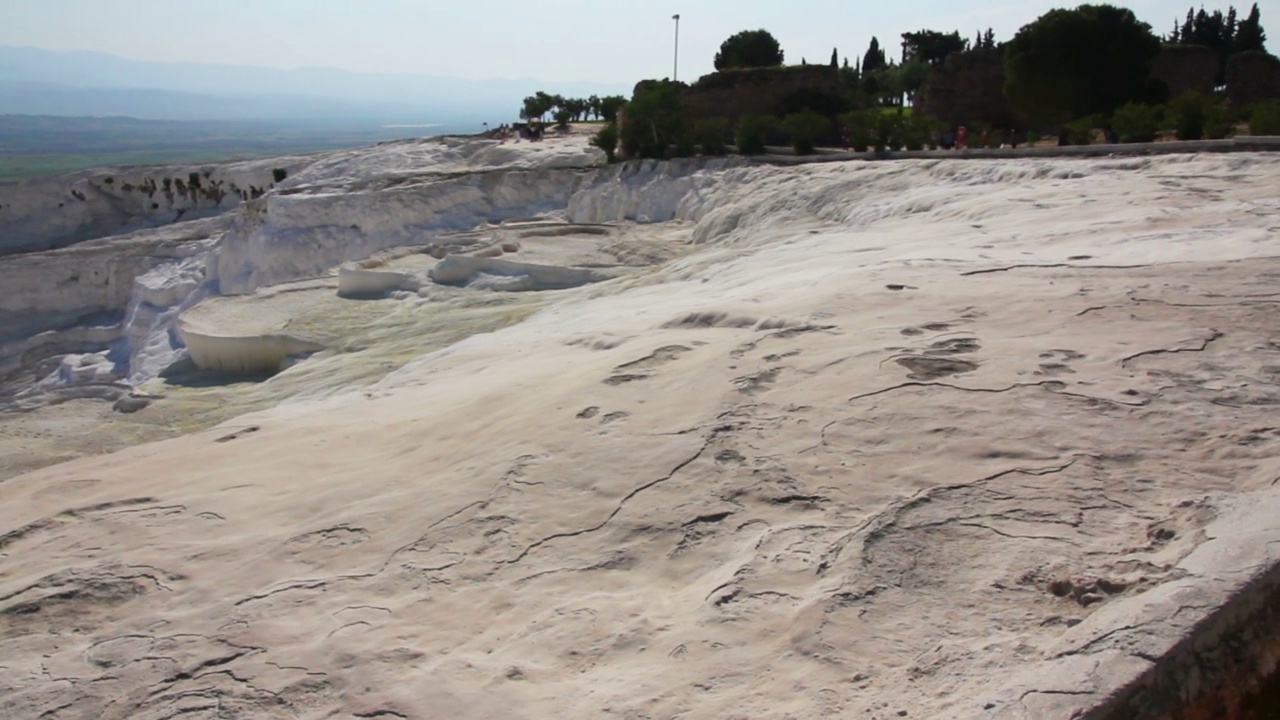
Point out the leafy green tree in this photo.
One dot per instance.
(752, 132)
(593, 106)
(835, 59)
(537, 105)
(884, 86)
(932, 47)
(655, 119)
(805, 129)
(748, 49)
(607, 140)
(911, 75)
(609, 106)
(1072, 63)
(563, 116)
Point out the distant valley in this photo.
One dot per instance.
(39, 145)
(65, 111)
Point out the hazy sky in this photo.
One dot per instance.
(612, 41)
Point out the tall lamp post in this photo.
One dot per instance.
(675, 69)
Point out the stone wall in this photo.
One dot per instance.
(731, 94)
(1186, 68)
(1252, 76)
(969, 87)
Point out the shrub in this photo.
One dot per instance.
(711, 135)
(1197, 116)
(914, 132)
(751, 134)
(563, 116)
(279, 174)
(1081, 131)
(861, 124)
(607, 140)
(1136, 122)
(886, 130)
(804, 130)
(108, 180)
(1265, 118)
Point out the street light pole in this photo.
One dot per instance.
(675, 69)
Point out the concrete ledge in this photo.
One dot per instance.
(1207, 640)
(1248, 143)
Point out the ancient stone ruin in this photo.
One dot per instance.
(1186, 68)
(969, 87)
(1252, 76)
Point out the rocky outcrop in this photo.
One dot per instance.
(55, 212)
(968, 88)
(284, 237)
(1251, 77)
(1186, 68)
(89, 297)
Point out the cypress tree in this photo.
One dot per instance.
(1249, 33)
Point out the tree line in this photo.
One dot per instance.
(1072, 70)
(567, 110)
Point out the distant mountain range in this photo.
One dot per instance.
(34, 81)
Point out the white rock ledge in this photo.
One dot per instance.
(243, 354)
(354, 282)
(466, 269)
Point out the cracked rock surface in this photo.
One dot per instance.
(758, 483)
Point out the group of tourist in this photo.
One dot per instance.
(959, 139)
(953, 140)
(530, 131)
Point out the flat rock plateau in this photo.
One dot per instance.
(535, 437)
